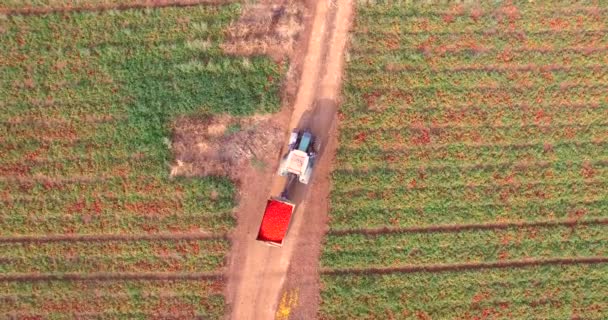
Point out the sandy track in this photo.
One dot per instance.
(303, 275)
(257, 273)
(472, 226)
(430, 268)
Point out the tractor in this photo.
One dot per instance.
(298, 164)
(299, 160)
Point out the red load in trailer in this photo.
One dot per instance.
(275, 221)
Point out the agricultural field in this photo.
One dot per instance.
(91, 224)
(471, 177)
(47, 6)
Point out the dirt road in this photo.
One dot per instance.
(257, 273)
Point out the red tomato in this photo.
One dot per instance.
(275, 221)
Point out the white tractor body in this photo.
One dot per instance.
(300, 159)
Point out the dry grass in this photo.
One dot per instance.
(269, 28)
(222, 145)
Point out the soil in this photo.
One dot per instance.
(257, 273)
(222, 145)
(269, 27)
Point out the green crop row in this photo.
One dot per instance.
(459, 55)
(437, 46)
(118, 222)
(125, 186)
(517, 116)
(482, 134)
(387, 9)
(478, 80)
(507, 173)
(44, 150)
(61, 4)
(26, 33)
(438, 95)
(111, 299)
(463, 155)
(551, 292)
(192, 196)
(140, 256)
(366, 213)
(488, 23)
(393, 250)
(60, 154)
(131, 205)
(505, 193)
(370, 99)
(62, 170)
(435, 17)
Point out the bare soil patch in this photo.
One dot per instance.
(268, 27)
(210, 145)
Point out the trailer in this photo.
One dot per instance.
(297, 164)
(275, 222)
